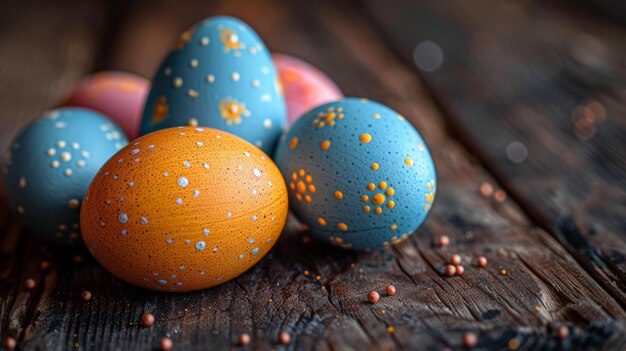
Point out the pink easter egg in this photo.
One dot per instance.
(118, 95)
(304, 85)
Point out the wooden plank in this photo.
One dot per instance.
(283, 292)
(548, 82)
(44, 48)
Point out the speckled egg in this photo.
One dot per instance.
(117, 95)
(305, 85)
(184, 209)
(219, 75)
(359, 175)
(50, 164)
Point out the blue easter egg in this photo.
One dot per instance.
(219, 75)
(359, 175)
(50, 164)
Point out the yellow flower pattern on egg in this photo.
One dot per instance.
(231, 111)
(231, 41)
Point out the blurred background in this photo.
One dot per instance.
(502, 53)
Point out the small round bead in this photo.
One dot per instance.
(86, 295)
(455, 260)
(481, 261)
(450, 270)
(469, 340)
(244, 339)
(562, 332)
(29, 283)
(499, 196)
(284, 338)
(460, 270)
(486, 189)
(165, 344)
(147, 319)
(9, 343)
(443, 240)
(373, 296)
(391, 290)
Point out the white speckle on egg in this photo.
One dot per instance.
(51, 152)
(210, 78)
(267, 123)
(122, 218)
(134, 151)
(61, 144)
(80, 163)
(199, 143)
(256, 83)
(182, 182)
(234, 76)
(67, 172)
(265, 70)
(266, 97)
(144, 220)
(254, 251)
(205, 165)
(256, 172)
(75, 146)
(167, 71)
(229, 214)
(200, 245)
(59, 124)
(73, 203)
(193, 63)
(204, 41)
(240, 257)
(84, 154)
(196, 193)
(179, 201)
(205, 231)
(22, 182)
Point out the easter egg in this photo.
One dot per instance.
(305, 85)
(117, 95)
(184, 209)
(50, 164)
(359, 175)
(219, 75)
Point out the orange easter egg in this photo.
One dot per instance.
(184, 209)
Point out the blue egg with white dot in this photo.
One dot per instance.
(49, 166)
(358, 173)
(219, 75)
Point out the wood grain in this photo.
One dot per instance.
(315, 292)
(549, 79)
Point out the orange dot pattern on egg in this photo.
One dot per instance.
(329, 117)
(184, 209)
(365, 138)
(378, 198)
(324, 145)
(338, 195)
(293, 143)
(302, 186)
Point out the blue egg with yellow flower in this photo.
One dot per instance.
(359, 174)
(219, 75)
(49, 166)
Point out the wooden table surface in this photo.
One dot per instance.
(482, 81)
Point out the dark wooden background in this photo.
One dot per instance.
(513, 71)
